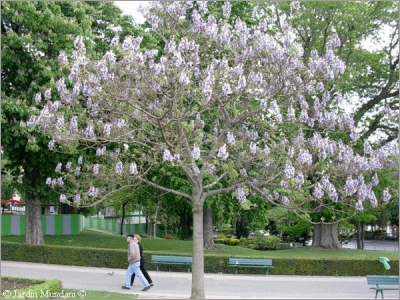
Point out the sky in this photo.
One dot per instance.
(130, 8)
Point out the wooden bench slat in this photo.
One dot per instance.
(172, 260)
(250, 263)
(383, 279)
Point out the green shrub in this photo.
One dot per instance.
(38, 288)
(46, 290)
(227, 241)
(260, 242)
(222, 235)
(225, 232)
(243, 242)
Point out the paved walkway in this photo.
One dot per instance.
(375, 245)
(172, 285)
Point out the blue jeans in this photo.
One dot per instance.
(135, 268)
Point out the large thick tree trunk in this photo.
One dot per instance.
(208, 235)
(198, 252)
(360, 235)
(326, 236)
(34, 234)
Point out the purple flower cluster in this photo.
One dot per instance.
(241, 195)
(261, 110)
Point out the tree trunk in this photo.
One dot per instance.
(360, 235)
(198, 252)
(34, 234)
(242, 227)
(208, 234)
(184, 224)
(149, 225)
(121, 230)
(154, 233)
(326, 236)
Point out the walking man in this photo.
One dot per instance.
(134, 264)
(138, 239)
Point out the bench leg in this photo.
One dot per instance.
(376, 294)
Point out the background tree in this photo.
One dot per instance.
(288, 225)
(26, 66)
(222, 104)
(7, 181)
(33, 34)
(369, 85)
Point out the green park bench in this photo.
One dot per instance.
(172, 260)
(382, 282)
(266, 264)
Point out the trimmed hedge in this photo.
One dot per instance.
(64, 255)
(106, 258)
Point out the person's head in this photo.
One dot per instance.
(130, 237)
(138, 238)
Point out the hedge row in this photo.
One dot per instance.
(106, 258)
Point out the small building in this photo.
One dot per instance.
(12, 207)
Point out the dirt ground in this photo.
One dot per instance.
(12, 285)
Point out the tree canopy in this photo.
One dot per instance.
(33, 34)
(223, 102)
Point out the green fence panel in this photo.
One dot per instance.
(51, 224)
(5, 225)
(59, 225)
(22, 225)
(44, 225)
(76, 224)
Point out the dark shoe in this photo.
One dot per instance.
(125, 288)
(146, 288)
(151, 284)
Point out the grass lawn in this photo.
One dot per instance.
(25, 288)
(99, 295)
(103, 239)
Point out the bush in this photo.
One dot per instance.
(227, 241)
(39, 288)
(225, 232)
(46, 290)
(300, 232)
(243, 242)
(260, 242)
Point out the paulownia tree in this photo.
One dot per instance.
(220, 104)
